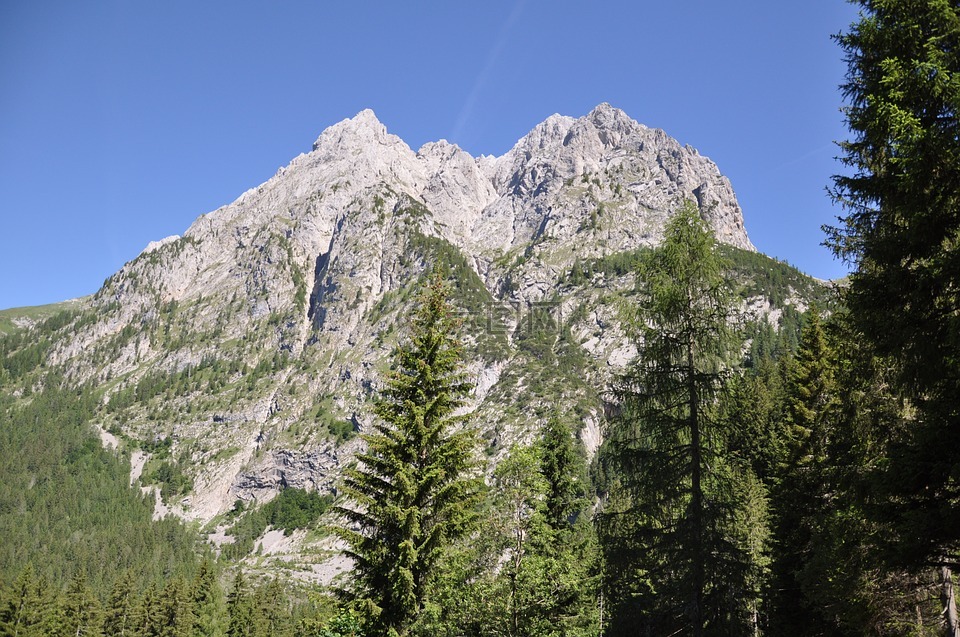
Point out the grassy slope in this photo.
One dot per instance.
(17, 318)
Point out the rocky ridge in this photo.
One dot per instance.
(251, 344)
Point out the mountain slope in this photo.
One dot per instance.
(247, 349)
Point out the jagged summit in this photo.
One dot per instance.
(299, 287)
(362, 128)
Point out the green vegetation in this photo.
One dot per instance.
(170, 476)
(25, 351)
(66, 506)
(683, 529)
(772, 279)
(13, 319)
(411, 496)
(752, 273)
(291, 510)
(469, 296)
(804, 485)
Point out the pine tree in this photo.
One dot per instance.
(682, 526)
(412, 493)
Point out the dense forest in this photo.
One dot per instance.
(753, 480)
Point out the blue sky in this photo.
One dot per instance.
(122, 121)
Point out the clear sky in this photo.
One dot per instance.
(122, 121)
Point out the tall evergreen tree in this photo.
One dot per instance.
(563, 470)
(20, 605)
(119, 615)
(413, 492)
(571, 545)
(273, 615)
(176, 609)
(240, 609)
(207, 601)
(802, 489)
(902, 198)
(518, 491)
(676, 561)
(81, 610)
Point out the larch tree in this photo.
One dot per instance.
(901, 231)
(414, 490)
(678, 553)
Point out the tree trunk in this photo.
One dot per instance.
(952, 626)
(696, 489)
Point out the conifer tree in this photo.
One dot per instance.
(147, 614)
(81, 610)
(20, 605)
(564, 473)
(176, 609)
(413, 492)
(119, 615)
(683, 525)
(518, 492)
(800, 494)
(50, 616)
(240, 609)
(902, 197)
(207, 600)
(272, 613)
(571, 551)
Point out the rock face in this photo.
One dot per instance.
(268, 323)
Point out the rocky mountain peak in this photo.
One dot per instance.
(362, 128)
(606, 117)
(290, 297)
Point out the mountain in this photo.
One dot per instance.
(238, 359)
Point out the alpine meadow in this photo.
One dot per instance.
(552, 393)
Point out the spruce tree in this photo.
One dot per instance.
(273, 616)
(31, 608)
(570, 549)
(802, 490)
(81, 610)
(176, 609)
(148, 613)
(413, 491)
(563, 470)
(18, 610)
(683, 525)
(902, 199)
(207, 601)
(119, 615)
(240, 609)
